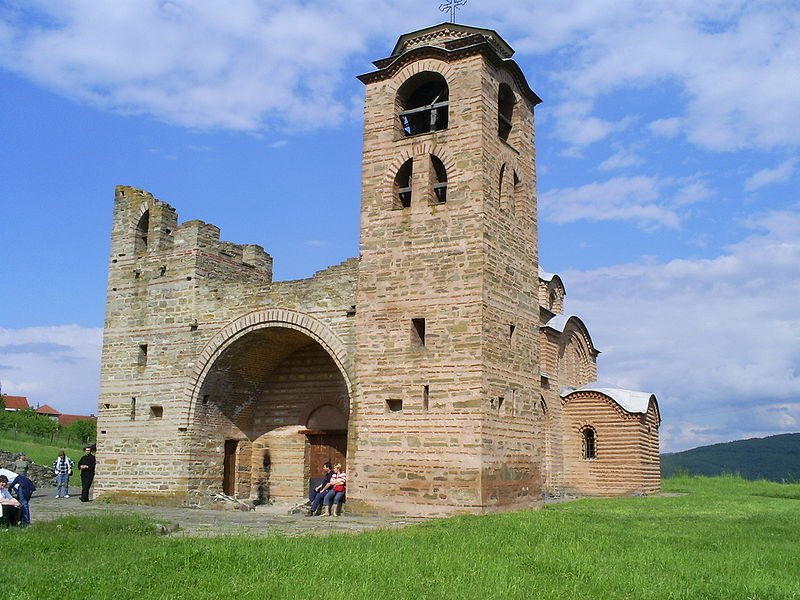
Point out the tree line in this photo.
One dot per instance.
(30, 422)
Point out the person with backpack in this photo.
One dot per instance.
(62, 465)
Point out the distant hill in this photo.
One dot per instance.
(776, 458)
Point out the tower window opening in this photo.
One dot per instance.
(141, 359)
(402, 185)
(423, 102)
(589, 442)
(426, 396)
(142, 230)
(440, 179)
(505, 112)
(418, 327)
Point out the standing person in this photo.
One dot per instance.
(21, 464)
(335, 493)
(317, 495)
(23, 489)
(63, 466)
(86, 465)
(9, 504)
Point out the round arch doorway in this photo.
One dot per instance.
(271, 404)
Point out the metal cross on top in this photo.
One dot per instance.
(452, 6)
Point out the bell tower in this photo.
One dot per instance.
(447, 414)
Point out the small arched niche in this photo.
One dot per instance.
(401, 194)
(142, 230)
(505, 111)
(423, 102)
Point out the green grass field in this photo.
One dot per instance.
(725, 538)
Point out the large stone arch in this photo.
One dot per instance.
(258, 384)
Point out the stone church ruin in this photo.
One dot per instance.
(439, 366)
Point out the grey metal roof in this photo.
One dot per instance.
(629, 400)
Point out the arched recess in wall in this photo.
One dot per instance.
(423, 104)
(142, 233)
(273, 318)
(576, 355)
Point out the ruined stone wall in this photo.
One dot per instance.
(173, 297)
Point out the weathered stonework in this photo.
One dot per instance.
(435, 365)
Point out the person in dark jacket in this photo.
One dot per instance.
(23, 489)
(86, 465)
(317, 494)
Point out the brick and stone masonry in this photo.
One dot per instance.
(438, 367)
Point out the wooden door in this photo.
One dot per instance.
(326, 447)
(229, 468)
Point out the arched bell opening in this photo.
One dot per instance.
(259, 408)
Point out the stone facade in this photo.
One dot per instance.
(435, 366)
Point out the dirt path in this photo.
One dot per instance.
(211, 522)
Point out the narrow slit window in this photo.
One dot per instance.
(439, 179)
(511, 329)
(133, 409)
(402, 185)
(141, 359)
(418, 327)
(426, 396)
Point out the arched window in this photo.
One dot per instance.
(505, 111)
(142, 229)
(589, 442)
(423, 103)
(402, 185)
(439, 179)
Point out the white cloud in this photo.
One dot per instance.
(667, 128)
(59, 366)
(767, 177)
(192, 62)
(733, 63)
(621, 159)
(716, 339)
(619, 199)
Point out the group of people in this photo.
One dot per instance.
(63, 466)
(16, 489)
(330, 494)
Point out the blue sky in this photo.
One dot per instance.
(668, 169)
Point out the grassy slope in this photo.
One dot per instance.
(727, 538)
(43, 454)
(776, 458)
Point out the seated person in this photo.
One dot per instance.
(9, 504)
(317, 495)
(336, 491)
